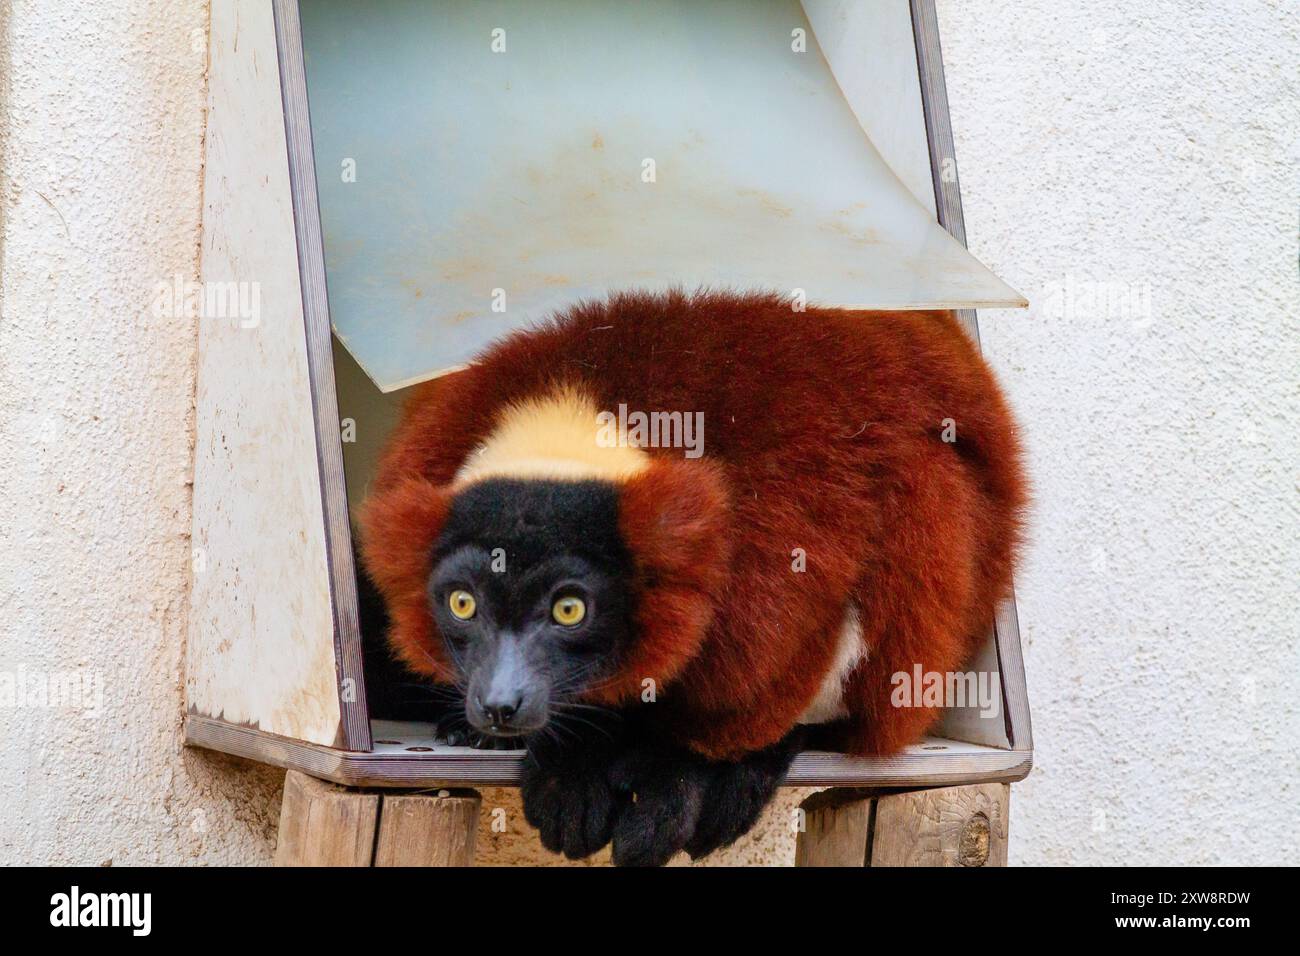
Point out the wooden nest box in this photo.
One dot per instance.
(456, 156)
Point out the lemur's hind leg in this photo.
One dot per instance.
(917, 607)
(681, 801)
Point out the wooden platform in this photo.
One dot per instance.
(323, 824)
(408, 755)
(326, 825)
(953, 826)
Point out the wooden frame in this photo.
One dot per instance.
(405, 755)
(947, 196)
(264, 642)
(344, 749)
(316, 318)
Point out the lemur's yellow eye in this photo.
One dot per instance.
(462, 605)
(568, 611)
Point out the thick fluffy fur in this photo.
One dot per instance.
(824, 432)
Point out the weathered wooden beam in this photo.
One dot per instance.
(952, 826)
(323, 824)
(836, 829)
(428, 829)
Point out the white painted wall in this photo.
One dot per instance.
(1150, 146)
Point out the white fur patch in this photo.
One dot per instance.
(554, 436)
(851, 650)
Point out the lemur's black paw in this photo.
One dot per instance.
(736, 797)
(455, 738)
(665, 795)
(739, 792)
(569, 802)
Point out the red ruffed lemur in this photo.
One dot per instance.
(664, 627)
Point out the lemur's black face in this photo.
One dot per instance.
(530, 592)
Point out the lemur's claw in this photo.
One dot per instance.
(456, 738)
(468, 737)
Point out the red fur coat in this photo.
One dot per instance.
(877, 445)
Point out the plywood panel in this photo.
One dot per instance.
(410, 755)
(261, 636)
(463, 149)
(980, 716)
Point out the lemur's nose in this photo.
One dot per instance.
(500, 713)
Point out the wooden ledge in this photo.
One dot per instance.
(407, 755)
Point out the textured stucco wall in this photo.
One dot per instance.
(1142, 154)
(1148, 150)
(102, 128)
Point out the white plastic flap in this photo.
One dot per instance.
(483, 164)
